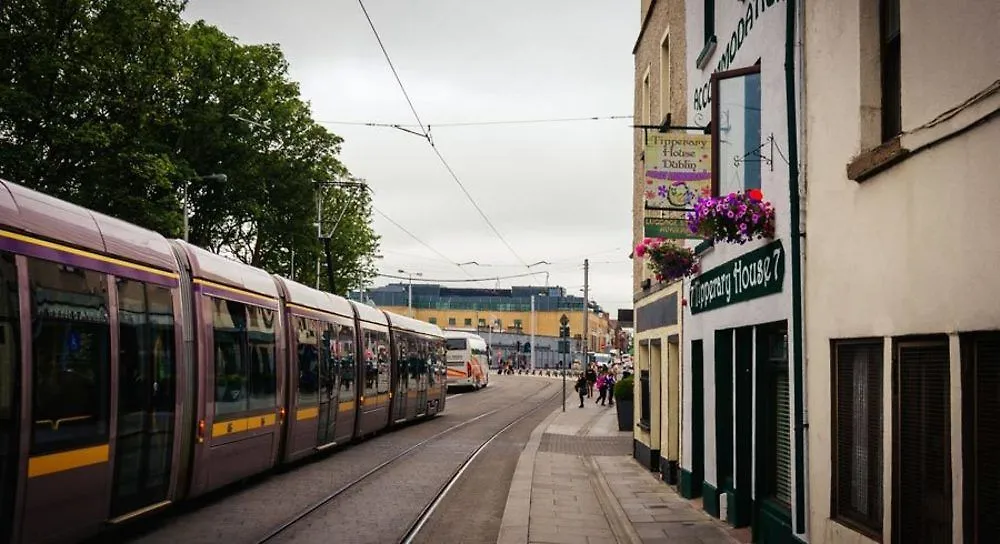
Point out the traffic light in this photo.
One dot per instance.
(527, 347)
(518, 350)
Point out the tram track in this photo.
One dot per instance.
(414, 527)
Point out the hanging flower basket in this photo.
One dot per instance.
(737, 218)
(669, 261)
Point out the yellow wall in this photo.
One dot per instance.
(548, 322)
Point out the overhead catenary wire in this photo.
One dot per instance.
(462, 280)
(426, 136)
(482, 123)
(421, 242)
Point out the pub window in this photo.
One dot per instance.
(889, 55)
(263, 376)
(229, 323)
(736, 112)
(644, 412)
(981, 435)
(665, 76)
(308, 360)
(709, 21)
(778, 461)
(9, 352)
(71, 339)
(921, 498)
(857, 431)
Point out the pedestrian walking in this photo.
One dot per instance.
(602, 388)
(581, 387)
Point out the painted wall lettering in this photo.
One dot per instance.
(755, 10)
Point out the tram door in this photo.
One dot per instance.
(329, 379)
(9, 362)
(146, 394)
(402, 374)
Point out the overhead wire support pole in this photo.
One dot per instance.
(586, 312)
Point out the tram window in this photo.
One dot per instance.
(133, 350)
(263, 375)
(384, 363)
(9, 358)
(229, 321)
(71, 359)
(371, 362)
(333, 352)
(161, 327)
(308, 358)
(345, 358)
(403, 341)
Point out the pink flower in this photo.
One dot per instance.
(640, 250)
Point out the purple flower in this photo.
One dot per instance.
(661, 191)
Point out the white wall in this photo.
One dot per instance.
(913, 249)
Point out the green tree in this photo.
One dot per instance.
(119, 105)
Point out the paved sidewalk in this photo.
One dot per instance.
(576, 482)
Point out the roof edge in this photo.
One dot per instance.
(645, 23)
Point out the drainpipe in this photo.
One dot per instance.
(796, 266)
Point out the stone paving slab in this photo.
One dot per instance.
(581, 485)
(656, 511)
(586, 445)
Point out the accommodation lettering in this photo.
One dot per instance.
(703, 95)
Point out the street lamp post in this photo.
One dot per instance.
(187, 204)
(409, 298)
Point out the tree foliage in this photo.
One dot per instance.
(123, 107)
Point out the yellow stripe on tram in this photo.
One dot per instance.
(243, 292)
(67, 460)
(307, 413)
(239, 425)
(87, 254)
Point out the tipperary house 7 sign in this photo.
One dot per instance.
(749, 276)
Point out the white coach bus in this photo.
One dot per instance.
(468, 360)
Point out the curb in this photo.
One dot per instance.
(514, 525)
(618, 520)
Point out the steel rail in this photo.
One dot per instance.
(270, 536)
(428, 511)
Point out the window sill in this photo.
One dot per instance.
(873, 161)
(706, 52)
(975, 111)
(643, 425)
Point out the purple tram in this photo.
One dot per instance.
(137, 372)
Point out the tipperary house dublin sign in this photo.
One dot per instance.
(749, 276)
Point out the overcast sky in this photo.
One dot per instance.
(557, 192)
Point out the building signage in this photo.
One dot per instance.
(744, 25)
(678, 172)
(757, 273)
